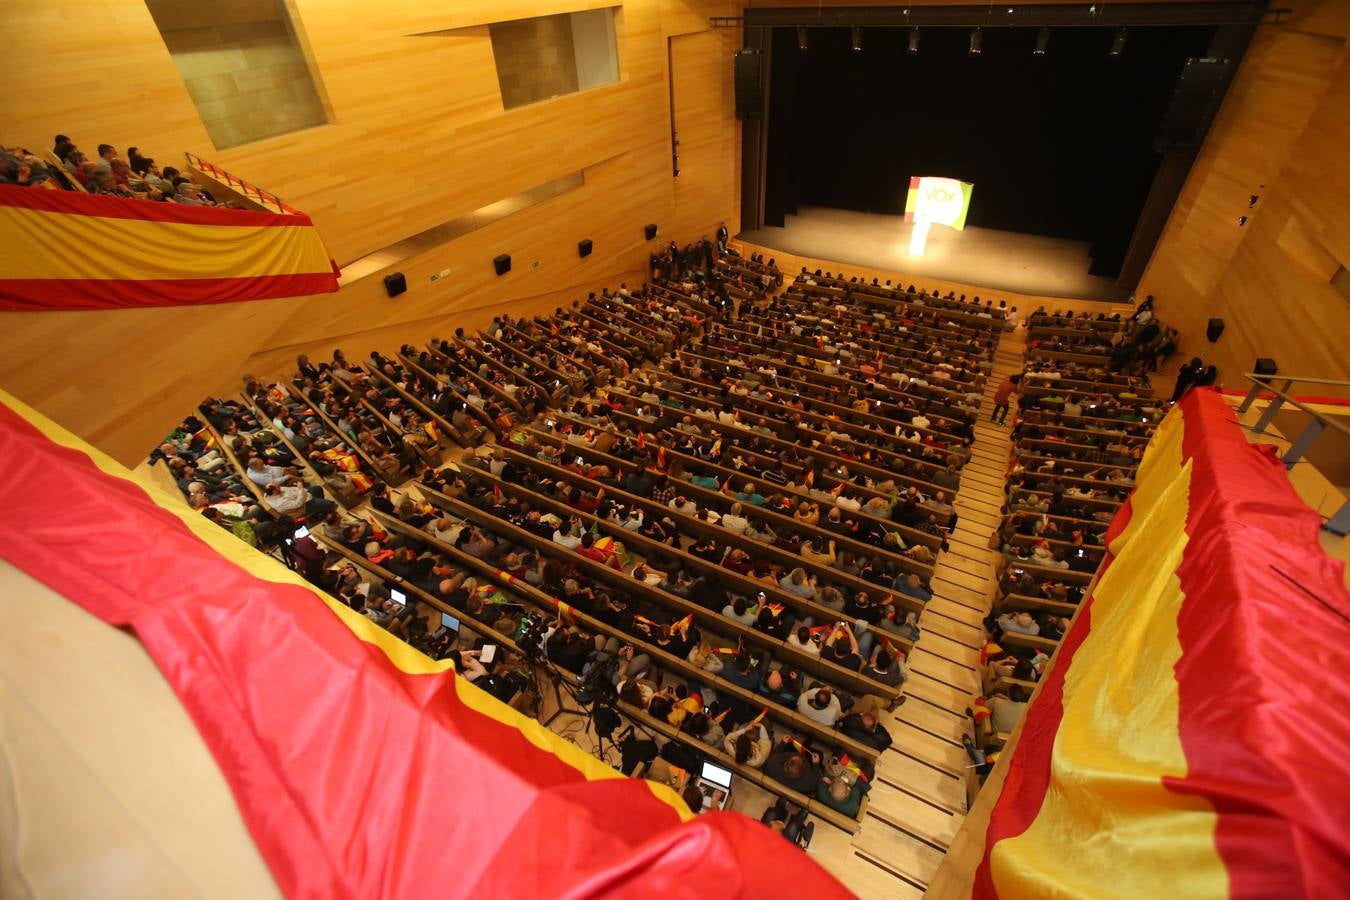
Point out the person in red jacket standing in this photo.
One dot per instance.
(1001, 397)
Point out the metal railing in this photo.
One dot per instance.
(1339, 523)
(248, 189)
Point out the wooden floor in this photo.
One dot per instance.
(1000, 260)
(918, 800)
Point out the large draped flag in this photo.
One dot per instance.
(66, 250)
(361, 767)
(1190, 738)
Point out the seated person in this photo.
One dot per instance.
(840, 793)
(820, 704)
(885, 668)
(794, 766)
(791, 825)
(749, 744)
(864, 728)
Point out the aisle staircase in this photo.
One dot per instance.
(918, 799)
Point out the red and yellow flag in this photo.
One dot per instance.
(66, 250)
(1180, 743)
(295, 693)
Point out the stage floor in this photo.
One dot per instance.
(1000, 260)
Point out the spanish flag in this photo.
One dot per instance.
(294, 694)
(67, 250)
(1179, 743)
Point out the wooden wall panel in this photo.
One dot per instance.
(418, 136)
(1281, 134)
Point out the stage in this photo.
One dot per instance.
(1000, 260)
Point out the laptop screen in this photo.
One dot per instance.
(398, 597)
(717, 775)
(450, 621)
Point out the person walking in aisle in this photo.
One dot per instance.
(1001, 398)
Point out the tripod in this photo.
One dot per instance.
(561, 681)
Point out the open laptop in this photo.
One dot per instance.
(714, 783)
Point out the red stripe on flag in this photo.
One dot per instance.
(73, 203)
(1260, 667)
(46, 294)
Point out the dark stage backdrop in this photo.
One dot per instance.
(1059, 145)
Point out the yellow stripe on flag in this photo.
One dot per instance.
(138, 250)
(1119, 735)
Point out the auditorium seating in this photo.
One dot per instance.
(651, 464)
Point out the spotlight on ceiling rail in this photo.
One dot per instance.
(976, 41)
(857, 39)
(913, 40)
(802, 45)
(1042, 42)
(1118, 42)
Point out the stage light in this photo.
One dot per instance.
(801, 38)
(1118, 42)
(1042, 42)
(857, 39)
(914, 40)
(976, 41)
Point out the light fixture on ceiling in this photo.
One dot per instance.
(976, 41)
(913, 40)
(802, 45)
(857, 39)
(1118, 42)
(1042, 42)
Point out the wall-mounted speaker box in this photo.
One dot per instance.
(1214, 330)
(1265, 366)
(584, 247)
(395, 284)
(749, 84)
(502, 263)
(650, 231)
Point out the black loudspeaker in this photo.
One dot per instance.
(395, 284)
(1214, 330)
(584, 247)
(1265, 366)
(749, 90)
(502, 263)
(1194, 100)
(650, 231)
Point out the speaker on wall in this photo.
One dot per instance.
(1194, 100)
(749, 88)
(584, 247)
(1265, 366)
(650, 231)
(502, 263)
(395, 284)
(1214, 330)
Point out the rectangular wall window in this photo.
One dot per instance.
(548, 56)
(243, 67)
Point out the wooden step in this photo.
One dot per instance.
(834, 850)
(928, 748)
(932, 641)
(921, 689)
(931, 719)
(939, 788)
(908, 813)
(954, 629)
